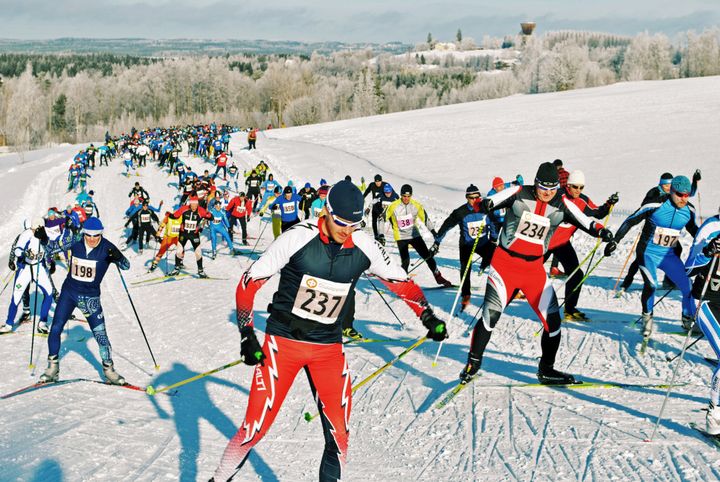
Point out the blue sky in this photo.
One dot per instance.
(368, 20)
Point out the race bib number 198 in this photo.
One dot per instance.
(83, 269)
(533, 228)
(320, 300)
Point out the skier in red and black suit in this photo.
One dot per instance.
(533, 214)
(239, 209)
(563, 250)
(190, 229)
(319, 262)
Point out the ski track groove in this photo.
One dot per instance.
(590, 452)
(153, 457)
(395, 392)
(674, 464)
(473, 426)
(540, 443)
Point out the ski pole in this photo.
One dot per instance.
(259, 237)
(385, 301)
(626, 261)
(7, 282)
(137, 317)
(684, 348)
(377, 372)
(670, 359)
(597, 244)
(654, 305)
(580, 283)
(150, 390)
(32, 337)
(457, 295)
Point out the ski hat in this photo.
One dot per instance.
(378, 177)
(52, 212)
(348, 178)
(666, 178)
(681, 184)
(497, 181)
(92, 226)
(387, 188)
(576, 178)
(323, 182)
(323, 190)
(193, 199)
(547, 176)
(345, 201)
(472, 189)
(557, 163)
(287, 190)
(406, 189)
(307, 185)
(241, 194)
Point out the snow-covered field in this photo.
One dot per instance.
(622, 136)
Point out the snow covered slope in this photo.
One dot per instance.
(623, 137)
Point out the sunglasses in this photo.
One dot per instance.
(547, 188)
(575, 186)
(682, 195)
(93, 235)
(473, 197)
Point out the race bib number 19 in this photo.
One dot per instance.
(320, 300)
(666, 237)
(533, 228)
(83, 269)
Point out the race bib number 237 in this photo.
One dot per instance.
(320, 300)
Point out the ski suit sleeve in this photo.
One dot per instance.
(367, 191)
(453, 220)
(576, 217)
(642, 213)
(709, 229)
(594, 211)
(133, 218)
(423, 215)
(390, 273)
(504, 198)
(691, 225)
(275, 257)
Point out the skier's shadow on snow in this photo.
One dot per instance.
(191, 404)
(48, 471)
(79, 339)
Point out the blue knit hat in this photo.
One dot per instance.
(387, 188)
(345, 201)
(681, 184)
(93, 226)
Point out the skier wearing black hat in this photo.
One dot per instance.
(319, 262)
(533, 214)
(472, 224)
(403, 215)
(376, 188)
(288, 204)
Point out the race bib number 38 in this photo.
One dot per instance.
(83, 269)
(666, 237)
(533, 228)
(320, 300)
(404, 221)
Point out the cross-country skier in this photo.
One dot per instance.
(307, 196)
(192, 216)
(169, 230)
(319, 203)
(319, 264)
(34, 264)
(89, 261)
(403, 215)
(663, 224)
(533, 213)
(239, 210)
(288, 204)
(472, 224)
(253, 188)
(376, 189)
(388, 197)
(706, 246)
(219, 226)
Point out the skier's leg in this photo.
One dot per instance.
(92, 309)
(65, 306)
(402, 246)
(675, 270)
(708, 319)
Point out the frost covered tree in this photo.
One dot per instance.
(648, 58)
(27, 116)
(702, 56)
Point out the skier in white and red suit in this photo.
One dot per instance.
(533, 213)
(320, 261)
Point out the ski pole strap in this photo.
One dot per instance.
(197, 377)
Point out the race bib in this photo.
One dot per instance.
(533, 228)
(253, 183)
(240, 209)
(320, 300)
(83, 269)
(217, 220)
(53, 232)
(175, 229)
(405, 221)
(666, 237)
(145, 218)
(475, 228)
(190, 225)
(288, 208)
(316, 212)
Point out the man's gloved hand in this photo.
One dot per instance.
(613, 199)
(712, 248)
(697, 175)
(51, 268)
(367, 211)
(610, 248)
(434, 248)
(436, 327)
(114, 255)
(606, 235)
(250, 349)
(486, 205)
(11, 265)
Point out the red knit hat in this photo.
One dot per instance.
(497, 182)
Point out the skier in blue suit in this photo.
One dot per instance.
(219, 225)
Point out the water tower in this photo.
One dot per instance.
(527, 28)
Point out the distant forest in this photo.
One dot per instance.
(47, 98)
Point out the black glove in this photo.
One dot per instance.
(613, 199)
(486, 205)
(41, 235)
(712, 248)
(11, 265)
(610, 248)
(606, 235)
(434, 248)
(51, 268)
(250, 349)
(114, 255)
(697, 175)
(436, 327)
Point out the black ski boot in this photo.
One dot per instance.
(471, 368)
(547, 375)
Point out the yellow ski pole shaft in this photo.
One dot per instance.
(632, 250)
(457, 295)
(377, 372)
(150, 390)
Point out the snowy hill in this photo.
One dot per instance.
(622, 136)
